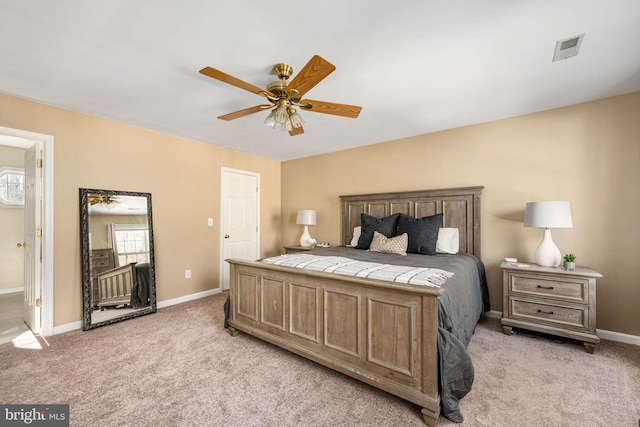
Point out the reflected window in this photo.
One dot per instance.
(11, 187)
(131, 243)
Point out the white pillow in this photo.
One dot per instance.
(448, 241)
(356, 236)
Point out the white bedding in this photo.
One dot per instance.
(349, 267)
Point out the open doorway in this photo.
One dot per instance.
(11, 253)
(20, 304)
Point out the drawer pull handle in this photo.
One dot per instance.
(545, 287)
(545, 312)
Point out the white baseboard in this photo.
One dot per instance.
(493, 314)
(619, 337)
(603, 334)
(11, 290)
(68, 327)
(179, 300)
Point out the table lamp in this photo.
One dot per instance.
(548, 215)
(306, 217)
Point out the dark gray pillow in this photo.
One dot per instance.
(423, 233)
(387, 226)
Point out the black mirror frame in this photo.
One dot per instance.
(86, 260)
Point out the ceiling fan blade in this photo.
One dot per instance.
(245, 112)
(296, 131)
(312, 74)
(234, 81)
(324, 107)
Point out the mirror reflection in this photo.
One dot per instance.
(117, 256)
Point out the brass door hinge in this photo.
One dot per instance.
(38, 302)
(39, 163)
(39, 232)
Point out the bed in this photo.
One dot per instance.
(125, 285)
(406, 339)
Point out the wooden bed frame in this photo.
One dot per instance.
(115, 285)
(382, 333)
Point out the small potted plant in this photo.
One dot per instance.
(569, 262)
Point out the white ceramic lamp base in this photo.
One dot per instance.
(547, 253)
(306, 240)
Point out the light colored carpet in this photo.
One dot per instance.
(11, 323)
(179, 367)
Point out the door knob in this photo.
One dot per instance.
(226, 236)
(22, 245)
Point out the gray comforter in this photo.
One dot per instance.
(459, 310)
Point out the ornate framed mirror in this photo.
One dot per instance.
(118, 271)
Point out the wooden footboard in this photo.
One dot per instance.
(381, 333)
(114, 286)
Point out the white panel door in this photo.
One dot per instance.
(240, 203)
(32, 241)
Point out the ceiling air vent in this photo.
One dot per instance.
(568, 47)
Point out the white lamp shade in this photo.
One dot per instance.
(306, 217)
(548, 215)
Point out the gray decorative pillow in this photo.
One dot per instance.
(369, 224)
(423, 233)
(389, 245)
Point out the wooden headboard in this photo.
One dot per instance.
(460, 207)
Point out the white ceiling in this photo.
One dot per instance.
(122, 205)
(415, 66)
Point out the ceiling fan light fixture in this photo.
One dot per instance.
(284, 117)
(270, 121)
(296, 119)
(281, 114)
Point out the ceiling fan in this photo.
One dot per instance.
(284, 95)
(103, 200)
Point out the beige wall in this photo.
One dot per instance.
(183, 177)
(11, 229)
(588, 154)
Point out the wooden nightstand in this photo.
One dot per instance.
(551, 300)
(101, 261)
(294, 249)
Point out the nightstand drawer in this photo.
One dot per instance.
(102, 262)
(101, 254)
(536, 312)
(567, 289)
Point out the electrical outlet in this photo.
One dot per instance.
(210, 222)
(187, 274)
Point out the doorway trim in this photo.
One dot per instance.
(26, 139)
